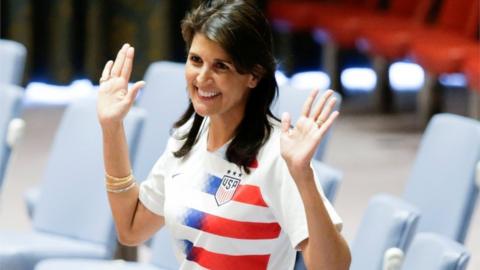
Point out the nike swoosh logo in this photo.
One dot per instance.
(175, 175)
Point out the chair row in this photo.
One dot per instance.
(433, 170)
(447, 166)
(404, 29)
(387, 228)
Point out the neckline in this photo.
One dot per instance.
(204, 131)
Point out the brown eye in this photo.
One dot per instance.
(221, 66)
(195, 59)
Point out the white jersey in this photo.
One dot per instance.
(222, 218)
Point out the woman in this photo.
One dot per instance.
(234, 186)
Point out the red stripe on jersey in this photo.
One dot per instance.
(250, 195)
(219, 261)
(239, 229)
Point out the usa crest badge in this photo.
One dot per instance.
(227, 188)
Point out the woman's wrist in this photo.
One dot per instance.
(111, 126)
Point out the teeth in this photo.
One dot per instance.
(207, 93)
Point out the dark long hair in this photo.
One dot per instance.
(241, 29)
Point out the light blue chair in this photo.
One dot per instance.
(435, 252)
(13, 56)
(329, 179)
(72, 216)
(163, 258)
(291, 100)
(388, 222)
(442, 182)
(10, 103)
(165, 99)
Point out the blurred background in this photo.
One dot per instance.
(394, 63)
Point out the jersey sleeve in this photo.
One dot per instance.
(152, 190)
(286, 203)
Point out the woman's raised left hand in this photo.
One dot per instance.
(298, 144)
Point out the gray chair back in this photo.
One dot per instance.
(389, 222)
(10, 103)
(291, 100)
(165, 99)
(431, 251)
(73, 201)
(442, 182)
(13, 56)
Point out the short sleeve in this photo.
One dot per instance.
(152, 190)
(286, 203)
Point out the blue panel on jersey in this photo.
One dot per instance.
(188, 249)
(194, 219)
(212, 184)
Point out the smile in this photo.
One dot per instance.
(207, 93)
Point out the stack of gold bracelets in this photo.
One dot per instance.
(118, 185)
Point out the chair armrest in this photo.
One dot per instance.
(393, 259)
(16, 130)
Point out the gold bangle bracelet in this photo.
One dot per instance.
(118, 183)
(119, 186)
(118, 179)
(122, 189)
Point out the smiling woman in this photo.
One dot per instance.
(235, 185)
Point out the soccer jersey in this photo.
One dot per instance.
(222, 218)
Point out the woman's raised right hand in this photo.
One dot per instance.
(114, 97)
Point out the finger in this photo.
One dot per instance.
(132, 94)
(285, 122)
(308, 103)
(328, 123)
(107, 69)
(127, 66)
(321, 104)
(328, 110)
(117, 66)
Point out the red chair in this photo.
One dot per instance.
(472, 72)
(342, 32)
(289, 17)
(294, 16)
(443, 48)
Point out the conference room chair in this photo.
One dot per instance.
(10, 103)
(442, 181)
(441, 49)
(471, 68)
(13, 56)
(388, 223)
(387, 39)
(291, 100)
(163, 258)
(72, 216)
(431, 251)
(164, 98)
(339, 34)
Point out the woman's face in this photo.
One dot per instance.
(215, 88)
